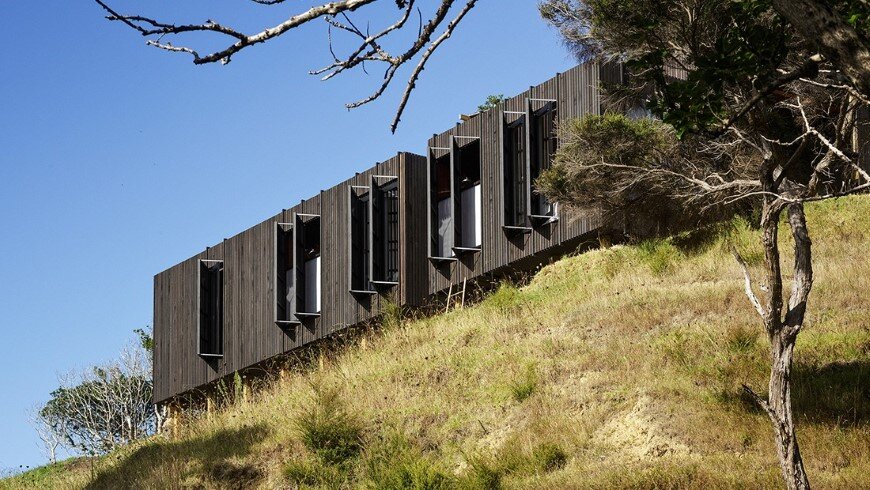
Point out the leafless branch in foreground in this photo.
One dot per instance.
(367, 47)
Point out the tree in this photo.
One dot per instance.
(50, 430)
(370, 46)
(491, 102)
(749, 111)
(102, 408)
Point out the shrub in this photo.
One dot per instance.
(328, 430)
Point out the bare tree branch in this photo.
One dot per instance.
(369, 48)
(747, 283)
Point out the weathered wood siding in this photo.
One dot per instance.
(577, 93)
(250, 332)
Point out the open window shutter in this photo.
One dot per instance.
(431, 216)
(376, 231)
(218, 309)
(298, 298)
(203, 325)
(530, 140)
(280, 275)
(455, 193)
(391, 208)
(503, 174)
(351, 242)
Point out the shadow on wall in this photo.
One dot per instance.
(164, 464)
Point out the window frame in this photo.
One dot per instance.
(432, 198)
(283, 233)
(300, 220)
(536, 152)
(378, 273)
(202, 263)
(355, 199)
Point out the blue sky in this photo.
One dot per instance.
(106, 144)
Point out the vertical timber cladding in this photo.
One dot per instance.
(577, 92)
(250, 331)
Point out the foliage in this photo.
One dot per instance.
(105, 407)
(763, 113)
(626, 167)
(146, 338)
(491, 102)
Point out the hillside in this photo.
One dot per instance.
(617, 368)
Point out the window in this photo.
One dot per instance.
(358, 231)
(440, 204)
(467, 188)
(384, 219)
(306, 228)
(514, 173)
(285, 274)
(210, 327)
(543, 150)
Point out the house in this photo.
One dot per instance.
(405, 230)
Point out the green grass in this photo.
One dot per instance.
(617, 368)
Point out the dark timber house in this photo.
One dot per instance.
(406, 229)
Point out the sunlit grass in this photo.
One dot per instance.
(617, 368)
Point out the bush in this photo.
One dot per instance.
(328, 430)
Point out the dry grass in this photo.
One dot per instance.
(618, 368)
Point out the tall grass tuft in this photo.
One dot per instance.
(328, 429)
(395, 464)
(524, 384)
(659, 255)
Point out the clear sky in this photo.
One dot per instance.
(118, 160)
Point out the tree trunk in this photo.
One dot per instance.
(783, 334)
(780, 412)
(836, 40)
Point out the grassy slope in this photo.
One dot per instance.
(616, 368)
